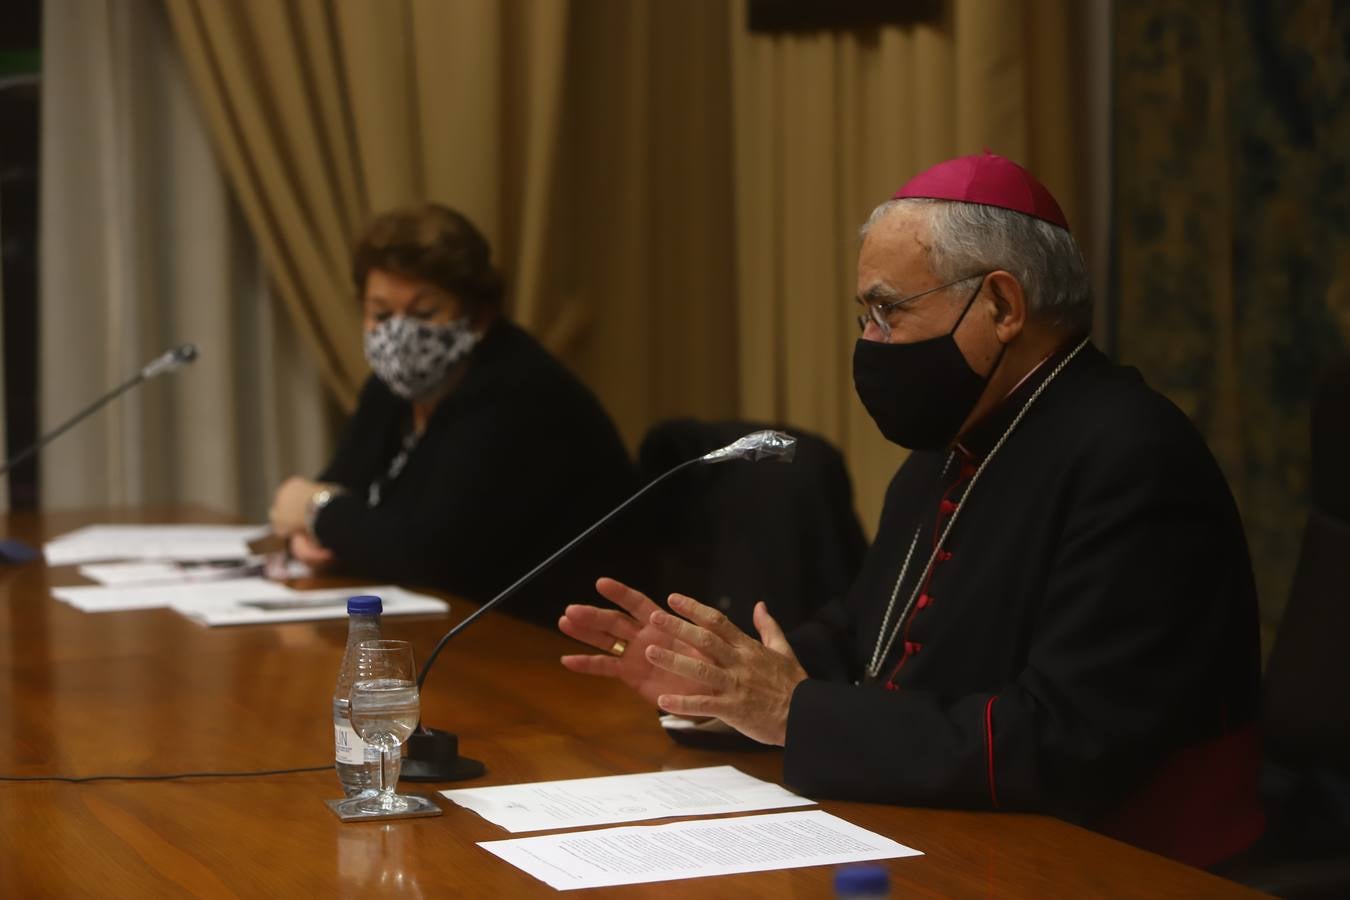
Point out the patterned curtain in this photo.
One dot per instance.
(1233, 235)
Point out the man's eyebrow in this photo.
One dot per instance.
(880, 291)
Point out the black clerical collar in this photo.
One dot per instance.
(975, 442)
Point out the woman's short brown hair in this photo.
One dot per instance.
(433, 243)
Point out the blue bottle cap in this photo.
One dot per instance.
(365, 605)
(864, 879)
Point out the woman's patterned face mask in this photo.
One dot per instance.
(412, 357)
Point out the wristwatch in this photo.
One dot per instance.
(317, 501)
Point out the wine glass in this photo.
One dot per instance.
(384, 711)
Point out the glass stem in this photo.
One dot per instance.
(389, 766)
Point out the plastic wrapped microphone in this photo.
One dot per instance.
(754, 447)
(433, 755)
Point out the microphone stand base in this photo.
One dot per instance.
(433, 755)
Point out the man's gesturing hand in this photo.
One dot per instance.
(627, 627)
(746, 683)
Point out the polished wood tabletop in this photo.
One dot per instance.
(150, 692)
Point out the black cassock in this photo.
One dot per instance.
(1087, 641)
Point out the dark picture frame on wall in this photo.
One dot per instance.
(767, 16)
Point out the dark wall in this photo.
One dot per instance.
(20, 40)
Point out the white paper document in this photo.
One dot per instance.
(581, 802)
(303, 606)
(637, 854)
(99, 543)
(108, 598)
(132, 573)
(242, 601)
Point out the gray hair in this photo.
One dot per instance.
(969, 238)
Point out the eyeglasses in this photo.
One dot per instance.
(880, 312)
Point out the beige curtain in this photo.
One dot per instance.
(142, 248)
(828, 124)
(326, 112)
(642, 237)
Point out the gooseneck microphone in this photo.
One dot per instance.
(176, 358)
(433, 755)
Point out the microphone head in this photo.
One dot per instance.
(756, 446)
(179, 356)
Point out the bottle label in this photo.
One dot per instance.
(350, 748)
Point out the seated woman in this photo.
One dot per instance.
(473, 453)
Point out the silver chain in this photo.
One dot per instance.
(880, 653)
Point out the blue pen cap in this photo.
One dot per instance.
(861, 881)
(365, 605)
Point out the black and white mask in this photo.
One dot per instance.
(413, 357)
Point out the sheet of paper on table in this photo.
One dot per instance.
(109, 598)
(99, 543)
(242, 601)
(638, 854)
(116, 574)
(304, 606)
(581, 802)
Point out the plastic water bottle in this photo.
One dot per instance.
(862, 882)
(352, 756)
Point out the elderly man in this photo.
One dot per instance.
(1058, 612)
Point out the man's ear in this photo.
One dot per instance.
(1010, 304)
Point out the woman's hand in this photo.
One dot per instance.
(290, 505)
(630, 624)
(309, 551)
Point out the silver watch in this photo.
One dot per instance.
(317, 501)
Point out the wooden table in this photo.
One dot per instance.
(151, 692)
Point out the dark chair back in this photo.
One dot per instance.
(1306, 693)
(735, 533)
(1329, 484)
(1305, 703)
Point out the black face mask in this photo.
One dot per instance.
(919, 393)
